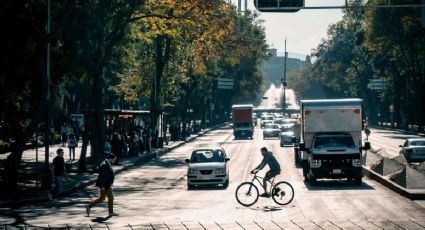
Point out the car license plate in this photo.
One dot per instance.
(205, 178)
(336, 171)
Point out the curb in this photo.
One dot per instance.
(413, 194)
(142, 159)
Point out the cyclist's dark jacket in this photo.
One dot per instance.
(270, 160)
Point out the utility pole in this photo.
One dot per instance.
(284, 84)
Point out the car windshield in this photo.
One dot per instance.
(333, 141)
(286, 128)
(417, 143)
(271, 126)
(206, 156)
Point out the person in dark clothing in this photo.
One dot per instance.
(59, 173)
(270, 160)
(104, 181)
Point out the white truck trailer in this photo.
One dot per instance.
(331, 139)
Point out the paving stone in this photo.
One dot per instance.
(268, 225)
(249, 225)
(365, 224)
(407, 224)
(287, 225)
(326, 225)
(229, 225)
(385, 224)
(193, 225)
(306, 224)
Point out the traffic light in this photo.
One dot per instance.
(278, 5)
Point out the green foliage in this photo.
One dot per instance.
(372, 43)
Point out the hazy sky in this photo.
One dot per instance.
(303, 30)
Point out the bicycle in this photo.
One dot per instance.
(247, 193)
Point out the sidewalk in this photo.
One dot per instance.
(77, 181)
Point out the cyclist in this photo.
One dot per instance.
(270, 160)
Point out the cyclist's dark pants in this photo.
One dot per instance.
(272, 173)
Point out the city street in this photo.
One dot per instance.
(156, 193)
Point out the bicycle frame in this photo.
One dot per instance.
(257, 178)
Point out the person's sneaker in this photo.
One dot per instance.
(113, 214)
(265, 195)
(276, 192)
(88, 210)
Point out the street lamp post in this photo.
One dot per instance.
(46, 182)
(284, 84)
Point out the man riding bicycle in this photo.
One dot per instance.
(270, 160)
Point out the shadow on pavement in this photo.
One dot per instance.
(100, 219)
(272, 208)
(336, 185)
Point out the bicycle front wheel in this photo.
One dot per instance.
(247, 194)
(283, 193)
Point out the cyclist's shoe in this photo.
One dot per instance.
(276, 192)
(265, 195)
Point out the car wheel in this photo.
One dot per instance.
(226, 184)
(190, 187)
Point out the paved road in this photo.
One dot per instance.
(156, 193)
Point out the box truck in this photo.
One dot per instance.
(242, 121)
(331, 139)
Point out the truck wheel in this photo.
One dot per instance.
(297, 158)
(358, 180)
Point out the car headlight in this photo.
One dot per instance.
(316, 163)
(193, 171)
(357, 162)
(220, 171)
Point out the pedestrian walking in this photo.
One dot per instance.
(64, 133)
(72, 143)
(105, 180)
(59, 173)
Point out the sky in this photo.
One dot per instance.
(303, 30)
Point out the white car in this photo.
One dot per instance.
(271, 130)
(413, 150)
(208, 166)
(287, 134)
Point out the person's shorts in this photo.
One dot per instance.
(270, 174)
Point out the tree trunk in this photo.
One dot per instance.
(10, 176)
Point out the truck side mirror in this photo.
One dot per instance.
(366, 145)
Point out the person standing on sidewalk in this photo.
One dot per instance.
(59, 173)
(105, 180)
(72, 143)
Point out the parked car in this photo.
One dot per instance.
(287, 134)
(271, 130)
(208, 166)
(413, 149)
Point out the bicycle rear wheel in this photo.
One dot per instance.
(247, 194)
(283, 193)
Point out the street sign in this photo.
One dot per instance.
(377, 84)
(225, 83)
